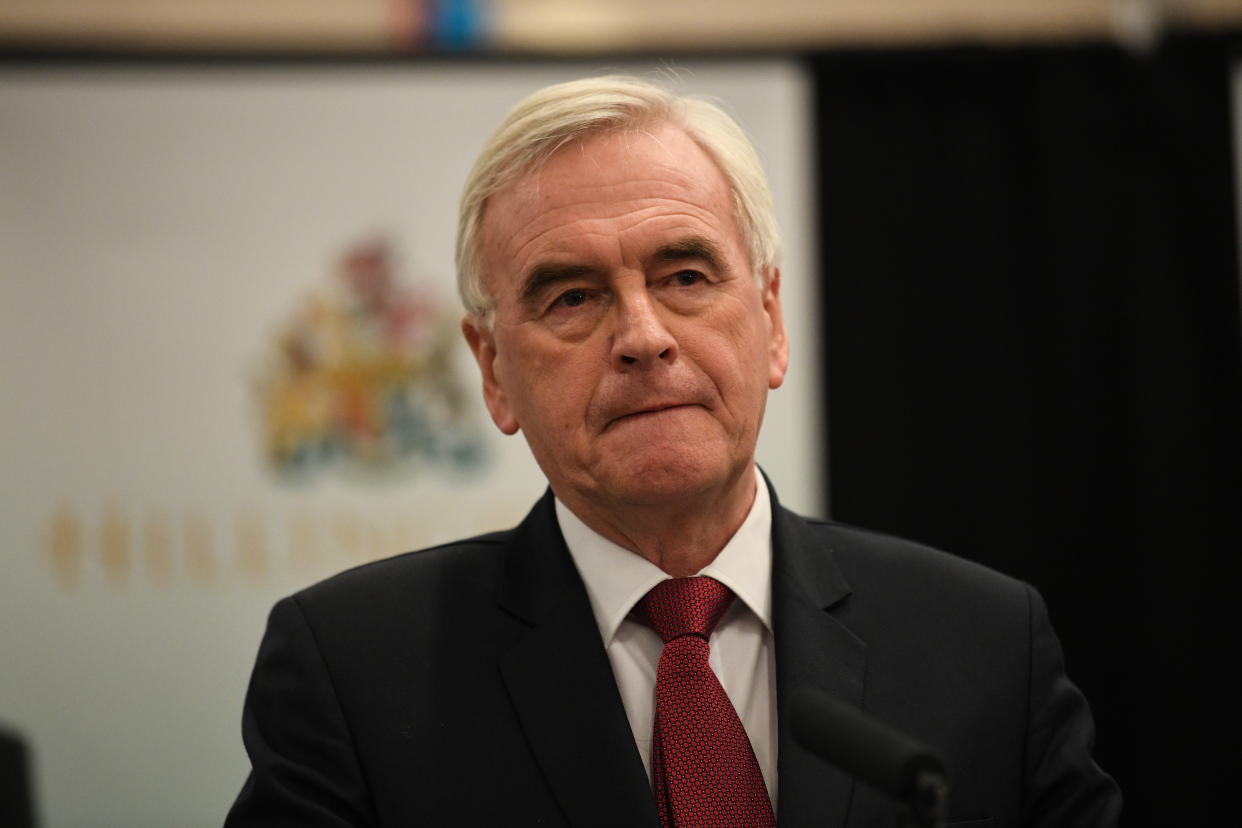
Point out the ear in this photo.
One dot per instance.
(482, 343)
(778, 340)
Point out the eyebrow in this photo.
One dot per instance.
(545, 276)
(692, 247)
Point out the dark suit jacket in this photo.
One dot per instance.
(467, 685)
(16, 795)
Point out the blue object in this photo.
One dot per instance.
(457, 24)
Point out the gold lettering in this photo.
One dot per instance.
(252, 558)
(348, 530)
(65, 546)
(157, 553)
(199, 559)
(114, 541)
(304, 557)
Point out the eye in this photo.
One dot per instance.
(686, 278)
(571, 298)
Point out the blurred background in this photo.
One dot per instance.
(230, 367)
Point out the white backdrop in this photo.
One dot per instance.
(157, 227)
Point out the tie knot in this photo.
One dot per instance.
(684, 606)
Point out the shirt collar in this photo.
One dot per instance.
(616, 578)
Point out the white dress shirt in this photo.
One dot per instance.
(741, 646)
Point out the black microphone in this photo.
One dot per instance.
(874, 753)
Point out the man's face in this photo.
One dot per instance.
(632, 343)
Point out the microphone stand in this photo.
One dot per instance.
(909, 772)
(929, 802)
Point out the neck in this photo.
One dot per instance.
(680, 538)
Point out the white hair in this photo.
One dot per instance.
(564, 112)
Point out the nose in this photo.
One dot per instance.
(640, 339)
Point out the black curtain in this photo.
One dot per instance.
(1033, 359)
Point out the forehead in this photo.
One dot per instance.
(634, 187)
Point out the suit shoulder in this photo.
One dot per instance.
(471, 564)
(865, 556)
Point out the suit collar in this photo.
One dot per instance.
(561, 684)
(566, 698)
(813, 649)
(538, 568)
(616, 578)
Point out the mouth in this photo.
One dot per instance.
(649, 411)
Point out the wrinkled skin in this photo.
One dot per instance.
(632, 344)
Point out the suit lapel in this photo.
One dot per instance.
(562, 687)
(563, 691)
(813, 650)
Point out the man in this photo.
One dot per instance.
(618, 260)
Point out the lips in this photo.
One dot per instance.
(631, 399)
(646, 410)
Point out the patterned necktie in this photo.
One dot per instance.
(703, 768)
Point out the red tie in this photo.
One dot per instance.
(702, 765)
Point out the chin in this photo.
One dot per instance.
(657, 477)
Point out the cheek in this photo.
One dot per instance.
(739, 366)
(547, 388)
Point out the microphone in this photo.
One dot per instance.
(874, 753)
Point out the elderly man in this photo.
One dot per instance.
(625, 656)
